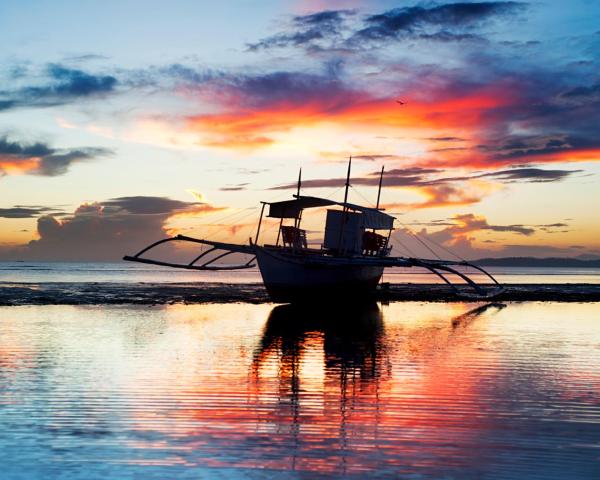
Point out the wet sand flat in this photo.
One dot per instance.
(110, 293)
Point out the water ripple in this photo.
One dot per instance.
(407, 390)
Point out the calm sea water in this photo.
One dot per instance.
(37, 272)
(406, 390)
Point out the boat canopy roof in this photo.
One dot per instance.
(372, 218)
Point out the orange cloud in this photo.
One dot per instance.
(573, 155)
(484, 126)
(196, 211)
(254, 128)
(437, 196)
(11, 165)
(19, 158)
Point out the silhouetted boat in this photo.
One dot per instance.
(349, 263)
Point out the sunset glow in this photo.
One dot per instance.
(473, 108)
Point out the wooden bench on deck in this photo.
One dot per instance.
(293, 237)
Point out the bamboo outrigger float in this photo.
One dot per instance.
(349, 263)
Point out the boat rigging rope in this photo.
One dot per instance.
(334, 192)
(416, 235)
(447, 250)
(419, 240)
(406, 248)
(233, 217)
(232, 214)
(362, 196)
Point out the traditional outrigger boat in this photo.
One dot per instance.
(350, 262)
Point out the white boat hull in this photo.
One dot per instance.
(289, 277)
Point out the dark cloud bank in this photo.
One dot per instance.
(102, 231)
(61, 85)
(339, 29)
(425, 177)
(41, 159)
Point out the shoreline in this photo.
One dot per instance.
(106, 293)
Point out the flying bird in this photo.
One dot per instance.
(400, 102)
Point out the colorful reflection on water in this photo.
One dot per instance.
(405, 390)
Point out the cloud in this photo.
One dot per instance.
(332, 30)
(62, 85)
(470, 223)
(254, 110)
(467, 236)
(307, 30)
(437, 196)
(502, 109)
(489, 101)
(256, 107)
(148, 205)
(26, 211)
(585, 93)
(105, 231)
(375, 157)
(499, 110)
(432, 177)
(85, 57)
(554, 225)
(448, 149)
(77, 83)
(394, 178)
(532, 175)
(442, 22)
(182, 74)
(251, 91)
(460, 237)
(513, 175)
(41, 159)
(234, 188)
(197, 195)
(445, 139)
(530, 147)
(437, 189)
(436, 193)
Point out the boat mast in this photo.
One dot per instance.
(299, 217)
(387, 240)
(262, 211)
(380, 183)
(345, 210)
(347, 182)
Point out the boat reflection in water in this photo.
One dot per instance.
(350, 341)
(351, 337)
(345, 422)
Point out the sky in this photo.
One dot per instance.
(122, 122)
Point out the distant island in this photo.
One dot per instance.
(556, 262)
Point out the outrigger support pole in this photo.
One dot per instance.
(485, 272)
(444, 268)
(202, 255)
(228, 249)
(164, 240)
(435, 265)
